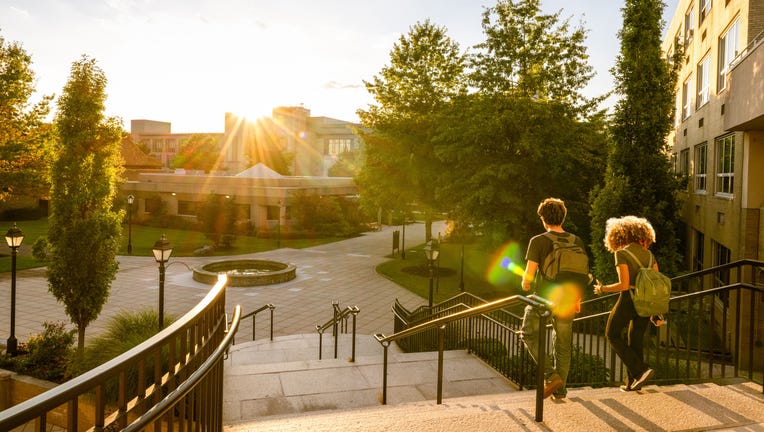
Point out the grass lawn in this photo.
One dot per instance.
(413, 274)
(183, 243)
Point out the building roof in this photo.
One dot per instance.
(259, 171)
(135, 158)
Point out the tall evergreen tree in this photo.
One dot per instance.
(426, 70)
(25, 140)
(639, 179)
(84, 230)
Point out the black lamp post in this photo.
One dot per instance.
(431, 252)
(162, 251)
(13, 237)
(130, 200)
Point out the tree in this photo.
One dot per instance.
(639, 179)
(527, 133)
(200, 152)
(531, 54)
(25, 140)
(426, 70)
(84, 232)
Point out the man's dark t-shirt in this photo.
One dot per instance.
(538, 248)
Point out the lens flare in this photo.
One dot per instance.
(506, 265)
(566, 300)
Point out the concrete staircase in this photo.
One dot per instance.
(281, 386)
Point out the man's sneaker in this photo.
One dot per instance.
(629, 387)
(559, 395)
(646, 375)
(554, 384)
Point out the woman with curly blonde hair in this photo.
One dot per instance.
(628, 237)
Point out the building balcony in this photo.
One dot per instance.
(745, 98)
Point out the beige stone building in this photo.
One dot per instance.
(718, 144)
(718, 137)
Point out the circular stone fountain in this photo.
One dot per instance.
(245, 272)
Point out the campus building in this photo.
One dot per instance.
(718, 136)
(718, 141)
(261, 195)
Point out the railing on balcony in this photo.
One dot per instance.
(173, 381)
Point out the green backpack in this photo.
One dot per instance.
(652, 289)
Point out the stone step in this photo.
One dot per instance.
(265, 378)
(671, 408)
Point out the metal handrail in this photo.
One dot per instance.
(254, 313)
(174, 397)
(339, 315)
(539, 303)
(186, 342)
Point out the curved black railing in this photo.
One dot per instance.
(146, 384)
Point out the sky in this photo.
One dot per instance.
(189, 62)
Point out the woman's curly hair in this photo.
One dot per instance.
(623, 231)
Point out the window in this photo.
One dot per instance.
(689, 25)
(704, 8)
(697, 253)
(686, 98)
(157, 145)
(725, 164)
(273, 212)
(152, 205)
(187, 208)
(704, 68)
(171, 145)
(684, 162)
(728, 49)
(722, 255)
(701, 167)
(339, 145)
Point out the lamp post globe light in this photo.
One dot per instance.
(130, 199)
(431, 252)
(13, 237)
(162, 251)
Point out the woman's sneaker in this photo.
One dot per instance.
(646, 375)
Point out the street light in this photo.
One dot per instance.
(162, 251)
(13, 237)
(130, 200)
(431, 252)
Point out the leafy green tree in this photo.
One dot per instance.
(200, 152)
(527, 133)
(426, 70)
(348, 164)
(84, 231)
(218, 217)
(532, 54)
(25, 140)
(639, 179)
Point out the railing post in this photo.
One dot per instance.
(253, 326)
(384, 370)
(271, 307)
(540, 366)
(441, 338)
(320, 342)
(354, 311)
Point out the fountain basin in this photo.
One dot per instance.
(246, 272)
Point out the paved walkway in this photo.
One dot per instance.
(343, 271)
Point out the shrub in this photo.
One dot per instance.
(123, 332)
(41, 249)
(45, 355)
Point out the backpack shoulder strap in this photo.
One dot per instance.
(636, 260)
